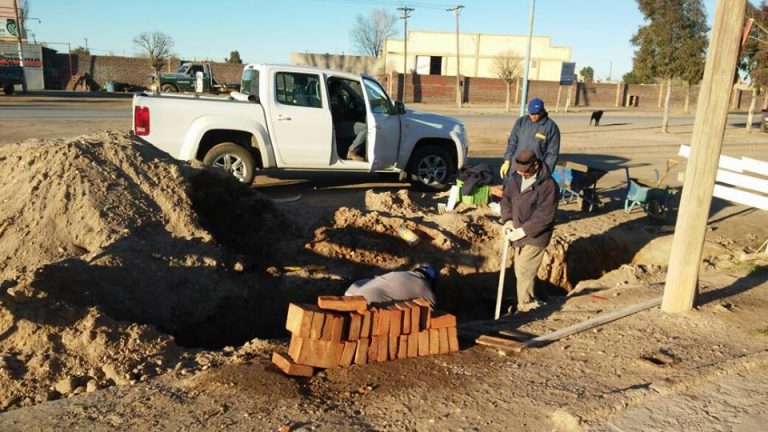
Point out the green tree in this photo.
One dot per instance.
(587, 74)
(632, 78)
(671, 43)
(369, 33)
(234, 57)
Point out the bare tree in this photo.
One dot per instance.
(157, 47)
(508, 66)
(369, 33)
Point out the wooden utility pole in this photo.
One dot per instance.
(406, 14)
(19, 27)
(706, 142)
(457, 11)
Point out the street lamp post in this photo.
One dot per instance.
(524, 99)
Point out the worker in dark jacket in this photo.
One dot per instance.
(537, 132)
(528, 207)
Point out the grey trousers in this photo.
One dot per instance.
(527, 261)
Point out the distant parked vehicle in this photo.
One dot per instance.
(764, 121)
(183, 80)
(10, 76)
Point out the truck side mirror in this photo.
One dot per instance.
(399, 107)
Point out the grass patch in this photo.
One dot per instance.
(760, 332)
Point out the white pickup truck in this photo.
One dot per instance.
(285, 118)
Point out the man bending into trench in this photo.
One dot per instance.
(528, 208)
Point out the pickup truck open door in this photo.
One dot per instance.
(383, 127)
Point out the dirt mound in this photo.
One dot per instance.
(104, 241)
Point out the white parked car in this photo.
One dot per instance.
(284, 118)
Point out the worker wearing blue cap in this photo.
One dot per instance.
(537, 132)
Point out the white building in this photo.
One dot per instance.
(434, 53)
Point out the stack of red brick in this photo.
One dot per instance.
(341, 331)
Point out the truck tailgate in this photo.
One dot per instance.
(177, 122)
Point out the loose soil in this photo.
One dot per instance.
(143, 293)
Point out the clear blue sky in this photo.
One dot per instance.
(269, 30)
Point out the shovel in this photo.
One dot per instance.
(502, 271)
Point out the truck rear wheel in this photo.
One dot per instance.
(233, 159)
(169, 88)
(8, 89)
(431, 168)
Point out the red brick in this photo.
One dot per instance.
(348, 354)
(415, 316)
(318, 320)
(294, 349)
(413, 344)
(406, 317)
(289, 367)
(299, 319)
(384, 322)
(393, 346)
(342, 303)
(444, 348)
(365, 326)
(361, 351)
(395, 321)
(424, 342)
(383, 349)
(373, 349)
(453, 339)
(425, 313)
(333, 327)
(434, 341)
(320, 353)
(402, 347)
(442, 320)
(355, 323)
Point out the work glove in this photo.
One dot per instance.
(515, 234)
(504, 169)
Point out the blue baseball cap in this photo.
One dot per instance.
(535, 106)
(427, 270)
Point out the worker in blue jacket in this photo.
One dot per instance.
(537, 132)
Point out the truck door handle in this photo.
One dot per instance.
(283, 118)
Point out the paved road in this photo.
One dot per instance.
(86, 112)
(58, 112)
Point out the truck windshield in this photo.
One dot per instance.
(250, 84)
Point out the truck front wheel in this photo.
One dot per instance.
(431, 168)
(233, 159)
(8, 89)
(169, 88)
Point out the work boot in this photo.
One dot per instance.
(352, 155)
(527, 307)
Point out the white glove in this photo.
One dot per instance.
(515, 234)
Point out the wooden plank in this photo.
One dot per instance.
(289, 367)
(570, 330)
(342, 303)
(742, 181)
(755, 166)
(741, 197)
(706, 145)
(725, 162)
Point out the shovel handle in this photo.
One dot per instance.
(502, 272)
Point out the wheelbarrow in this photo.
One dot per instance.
(578, 182)
(649, 195)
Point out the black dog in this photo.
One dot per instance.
(596, 116)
